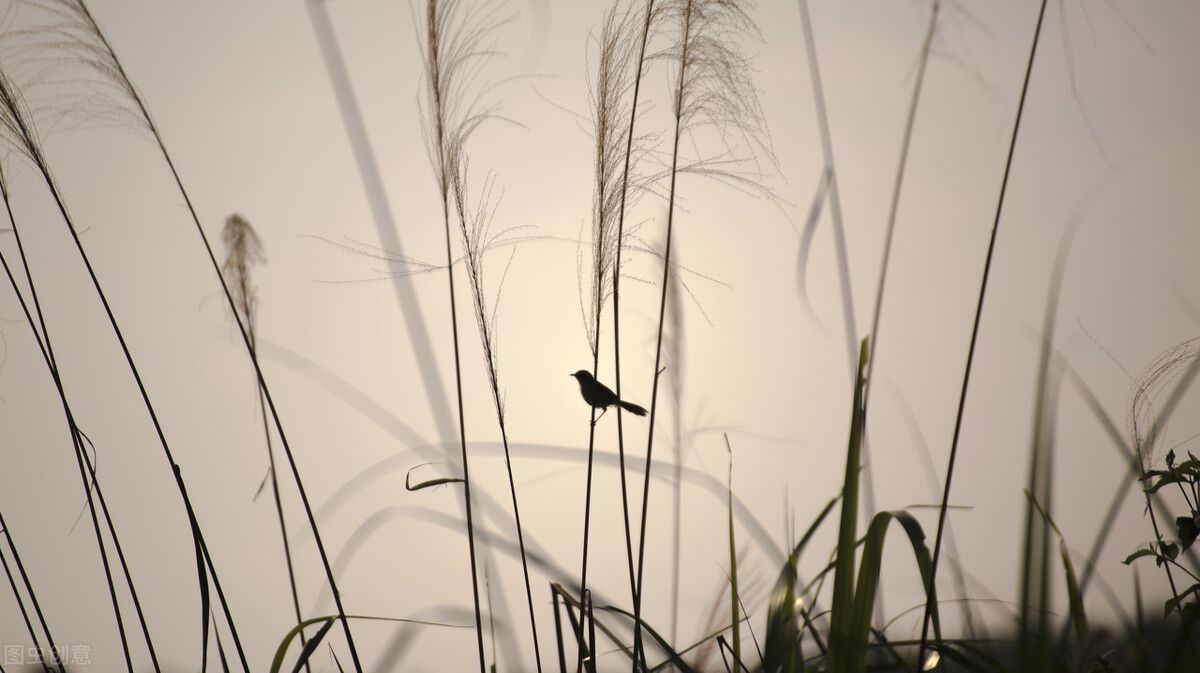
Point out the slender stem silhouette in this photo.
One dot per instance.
(439, 68)
(962, 399)
(639, 65)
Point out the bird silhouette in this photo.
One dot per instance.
(600, 397)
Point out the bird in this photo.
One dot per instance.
(600, 397)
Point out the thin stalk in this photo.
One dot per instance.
(48, 356)
(591, 620)
(287, 547)
(91, 506)
(112, 67)
(28, 138)
(606, 251)
(676, 379)
(587, 518)
(435, 73)
(734, 597)
(462, 432)
(562, 658)
(474, 227)
(684, 54)
(962, 399)
(43, 340)
(537, 653)
(616, 298)
(143, 110)
(12, 582)
(243, 249)
(112, 532)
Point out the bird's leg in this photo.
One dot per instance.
(601, 415)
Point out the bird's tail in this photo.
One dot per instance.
(632, 408)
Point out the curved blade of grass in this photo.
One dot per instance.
(868, 581)
(311, 646)
(674, 658)
(830, 177)
(409, 486)
(281, 651)
(806, 239)
(1077, 615)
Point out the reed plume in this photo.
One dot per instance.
(611, 126)
(244, 251)
(711, 89)
(455, 45)
(614, 110)
(474, 225)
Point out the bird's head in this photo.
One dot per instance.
(582, 375)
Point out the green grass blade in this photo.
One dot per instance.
(311, 646)
(674, 657)
(841, 612)
(1075, 596)
(868, 580)
(782, 651)
(734, 598)
(281, 651)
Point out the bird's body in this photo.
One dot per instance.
(600, 397)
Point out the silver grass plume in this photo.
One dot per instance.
(243, 251)
(712, 89)
(455, 48)
(457, 44)
(56, 54)
(1145, 428)
(610, 119)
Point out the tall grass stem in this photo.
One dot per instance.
(962, 399)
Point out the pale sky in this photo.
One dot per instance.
(245, 105)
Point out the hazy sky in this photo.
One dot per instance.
(245, 105)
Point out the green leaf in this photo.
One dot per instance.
(1138, 554)
(1170, 550)
(1173, 602)
(1187, 530)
